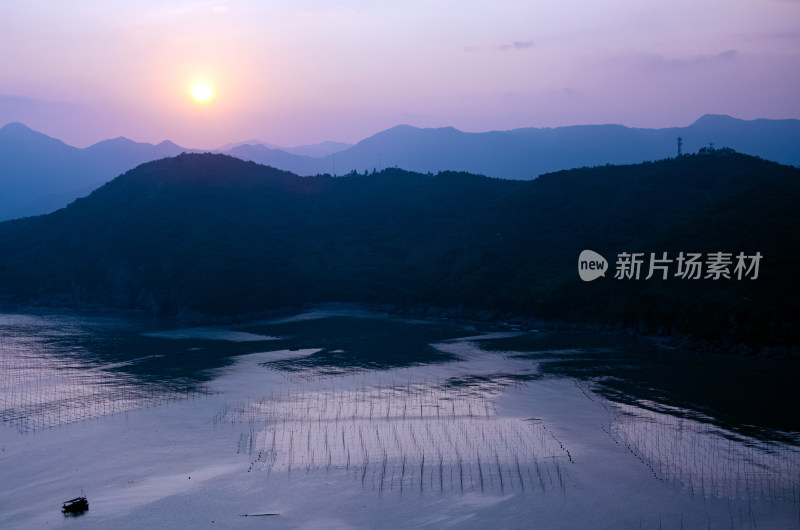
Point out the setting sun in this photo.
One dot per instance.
(202, 92)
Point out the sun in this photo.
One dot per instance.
(202, 92)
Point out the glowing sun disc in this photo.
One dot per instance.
(202, 92)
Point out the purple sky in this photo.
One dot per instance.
(292, 72)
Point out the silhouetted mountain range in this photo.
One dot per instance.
(40, 174)
(214, 235)
(527, 153)
(313, 150)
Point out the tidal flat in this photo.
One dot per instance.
(352, 419)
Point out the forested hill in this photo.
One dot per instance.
(211, 234)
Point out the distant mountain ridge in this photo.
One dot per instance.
(313, 150)
(39, 174)
(214, 236)
(529, 152)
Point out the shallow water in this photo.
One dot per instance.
(355, 419)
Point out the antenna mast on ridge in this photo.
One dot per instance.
(680, 144)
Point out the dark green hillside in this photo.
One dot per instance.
(214, 235)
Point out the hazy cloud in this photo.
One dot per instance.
(58, 119)
(778, 35)
(516, 45)
(23, 109)
(660, 62)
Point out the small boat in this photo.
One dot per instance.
(75, 506)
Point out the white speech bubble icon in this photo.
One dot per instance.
(591, 265)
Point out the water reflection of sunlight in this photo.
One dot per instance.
(43, 386)
(421, 435)
(705, 459)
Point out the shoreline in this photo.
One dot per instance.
(666, 340)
